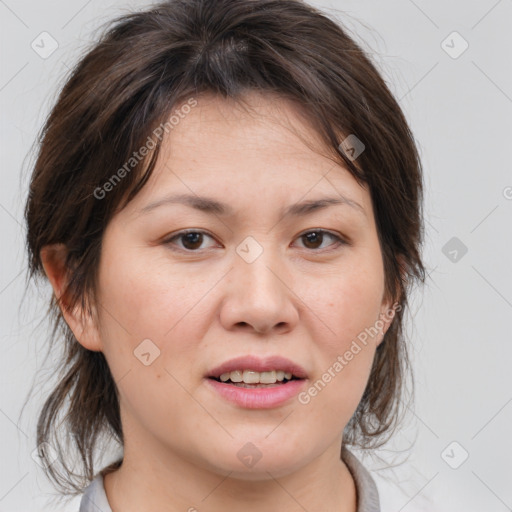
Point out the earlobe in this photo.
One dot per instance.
(53, 259)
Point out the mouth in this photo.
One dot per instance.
(254, 379)
(254, 383)
(252, 370)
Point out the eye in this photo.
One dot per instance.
(314, 238)
(192, 240)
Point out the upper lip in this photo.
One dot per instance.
(258, 364)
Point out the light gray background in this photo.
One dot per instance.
(460, 111)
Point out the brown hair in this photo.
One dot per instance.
(126, 86)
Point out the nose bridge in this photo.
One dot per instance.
(257, 293)
(257, 264)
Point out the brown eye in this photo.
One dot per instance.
(314, 239)
(190, 240)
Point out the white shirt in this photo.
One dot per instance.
(94, 498)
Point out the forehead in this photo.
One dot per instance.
(262, 123)
(263, 148)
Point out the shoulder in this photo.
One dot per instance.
(367, 493)
(94, 497)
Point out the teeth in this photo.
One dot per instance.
(236, 376)
(268, 377)
(252, 377)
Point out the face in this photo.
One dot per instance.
(252, 278)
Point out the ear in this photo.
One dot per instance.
(83, 325)
(391, 305)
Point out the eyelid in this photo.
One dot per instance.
(340, 240)
(167, 240)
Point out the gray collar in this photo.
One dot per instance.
(366, 489)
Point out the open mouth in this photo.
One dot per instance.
(252, 383)
(253, 379)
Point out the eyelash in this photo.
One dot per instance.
(339, 241)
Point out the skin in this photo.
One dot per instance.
(303, 298)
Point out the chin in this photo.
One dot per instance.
(251, 464)
(263, 472)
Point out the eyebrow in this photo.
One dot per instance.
(210, 205)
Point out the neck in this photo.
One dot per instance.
(169, 483)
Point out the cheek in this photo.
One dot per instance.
(147, 298)
(346, 309)
(155, 316)
(150, 327)
(348, 304)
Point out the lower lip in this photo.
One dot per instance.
(258, 398)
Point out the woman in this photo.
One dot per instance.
(227, 202)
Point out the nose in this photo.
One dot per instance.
(258, 297)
